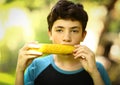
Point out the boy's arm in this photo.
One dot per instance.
(97, 79)
(19, 77)
(88, 62)
(100, 75)
(25, 57)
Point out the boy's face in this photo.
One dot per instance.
(67, 32)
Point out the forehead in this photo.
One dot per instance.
(67, 23)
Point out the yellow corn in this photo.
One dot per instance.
(55, 49)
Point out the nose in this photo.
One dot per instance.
(67, 37)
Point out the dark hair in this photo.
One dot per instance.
(67, 10)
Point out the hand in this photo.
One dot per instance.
(26, 56)
(86, 57)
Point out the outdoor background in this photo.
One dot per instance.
(22, 21)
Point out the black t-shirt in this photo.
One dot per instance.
(52, 77)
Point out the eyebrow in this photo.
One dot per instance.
(74, 27)
(59, 27)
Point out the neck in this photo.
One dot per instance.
(67, 62)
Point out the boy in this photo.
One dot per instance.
(66, 22)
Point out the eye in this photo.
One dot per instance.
(59, 30)
(76, 31)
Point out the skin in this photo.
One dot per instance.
(63, 32)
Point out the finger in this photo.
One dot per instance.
(76, 46)
(82, 56)
(30, 61)
(79, 47)
(30, 57)
(29, 45)
(33, 52)
(80, 51)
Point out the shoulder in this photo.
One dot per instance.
(40, 63)
(99, 65)
(101, 68)
(44, 60)
(36, 67)
(103, 73)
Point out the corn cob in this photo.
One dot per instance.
(55, 49)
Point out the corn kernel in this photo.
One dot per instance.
(55, 49)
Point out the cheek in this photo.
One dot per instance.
(77, 39)
(56, 39)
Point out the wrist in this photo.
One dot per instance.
(95, 72)
(19, 69)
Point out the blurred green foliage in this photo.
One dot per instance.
(6, 79)
(13, 36)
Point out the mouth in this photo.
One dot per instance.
(67, 44)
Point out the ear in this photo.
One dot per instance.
(83, 35)
(50, 35)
